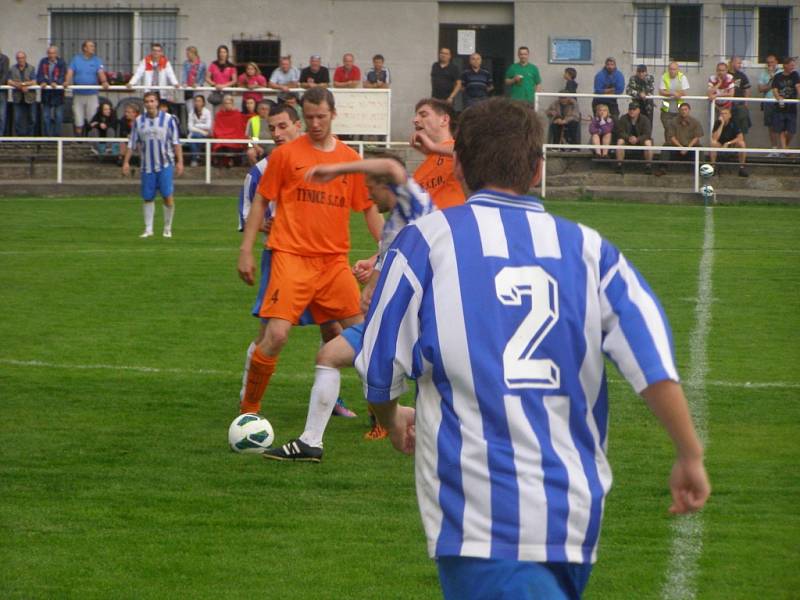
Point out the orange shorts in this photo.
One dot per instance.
(323, 284)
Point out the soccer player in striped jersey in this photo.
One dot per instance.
(155, 134)
(394, 192)
(502, 313)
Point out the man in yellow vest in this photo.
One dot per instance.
(257, 129)
(674, 86)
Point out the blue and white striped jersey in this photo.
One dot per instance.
(502, 313)
(156, 139)
(249, 189)
(412, 203)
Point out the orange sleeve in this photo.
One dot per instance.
(359, 194)
(270, 185)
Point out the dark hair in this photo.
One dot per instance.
(499, 144)
(163, 102)
(151, 93)
(156, 45)
(378, 57)
(277, 109)
(440, 107)
(227, 60)
(523, 48)
(317, 96)
(385, 179)
(571, 72)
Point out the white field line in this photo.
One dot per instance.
(310, 375)
(687, 531)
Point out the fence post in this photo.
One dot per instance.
(59, 161)
(208, 162)
(544, 171)
(697, 171)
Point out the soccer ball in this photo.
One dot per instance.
(706, 170)
(250, 434)
(707, 191)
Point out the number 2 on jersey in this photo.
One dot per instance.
(520, 370)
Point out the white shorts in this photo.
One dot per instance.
(83, 108)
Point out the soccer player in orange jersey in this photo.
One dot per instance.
(434, 121)
(309, 239)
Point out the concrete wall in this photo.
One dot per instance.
(405, 32)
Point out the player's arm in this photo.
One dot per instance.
(688, 482)
(378, 167)
(455, 90)
(178, 159)
(246, 265)
(374, 221)
(422, 142)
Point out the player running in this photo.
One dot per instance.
(394, 192)
(155, 134)
(309, 239)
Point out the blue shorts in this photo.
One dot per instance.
(469, 578)
(784, 121)
(266, 263)
(355, 337)
(157, 182)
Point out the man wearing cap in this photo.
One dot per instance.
(640, 87)
(634, 129)
(609, 81)
(674, 86)
(315, 75)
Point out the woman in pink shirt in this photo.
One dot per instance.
(221, 74)
(250, 79)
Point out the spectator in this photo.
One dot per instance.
(726, 134)
(742, 89)
(601, 128)
(125, 125)
(315, 75)
(104, 123)
(252, 79)
(257, 129)
(674, 86)
(51, 73)
(476, 81)
(445, 77)
(786, 86)
(523, 77)
(565, 120)
(721, 87)
(155, 70)
(249, 107)
(285, 77)
(570, 80)
(229, 123)
(199, 125)
(634, 129)
(684, 132)
(4, 68)
(348, 75)
(292, 99)
(193, 74)
(221, 74)
(609, 81)
(378, 76)
(640, 87)
(21, 76)
(765, 87)
(85, 69)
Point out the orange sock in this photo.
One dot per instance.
(261, 369)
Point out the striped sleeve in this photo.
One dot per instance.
(412, 203)
(172, 132)
(392, 330)
(133, 141)
(636, 334)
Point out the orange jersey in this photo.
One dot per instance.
(436, 177)
(311, 219)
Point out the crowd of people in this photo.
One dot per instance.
(221, 115)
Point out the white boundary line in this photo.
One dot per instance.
(687, 531)
(302, 377)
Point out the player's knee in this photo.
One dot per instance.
(274, 339)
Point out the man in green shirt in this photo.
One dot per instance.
(522, 78)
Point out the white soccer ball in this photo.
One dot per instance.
(250, 434)
(707, 191)
(706, 170)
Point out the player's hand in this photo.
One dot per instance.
(402, 431)
(321, 174)
(126, 169)
(421, 142)
(179, 168)
(366, 298)
(363, 269)
(266, 225)
(246, 267)
(689, 486)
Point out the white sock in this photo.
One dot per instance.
(149, 213)
(327, 382)
(250, 349)
(168, 212)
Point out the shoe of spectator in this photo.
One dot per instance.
(94, 151)
(341, 410)
(194, 163)
(743, 172)
(146, 234)
(619, 168)
(294, 450)
(648, 169)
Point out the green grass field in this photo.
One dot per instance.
(120, 367)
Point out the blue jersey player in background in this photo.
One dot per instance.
(503, 313)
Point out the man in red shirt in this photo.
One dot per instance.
(348, 75)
